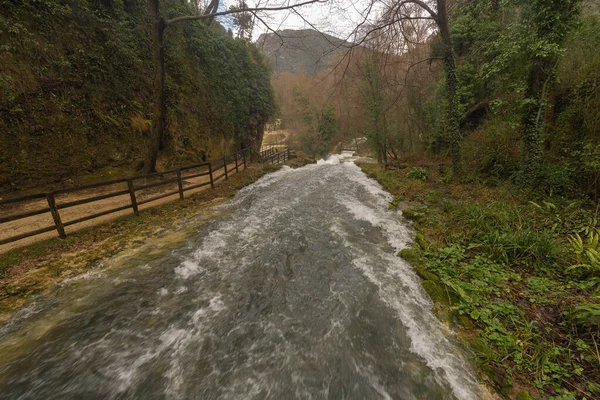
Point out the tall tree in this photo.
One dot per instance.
(244, 21)
(395, 18)
(159, 25)
(547, 23)
(375, 108)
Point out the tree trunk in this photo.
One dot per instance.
(532, 125)
(453, 119)
(159, 107)
(212, 7)
(385, 139)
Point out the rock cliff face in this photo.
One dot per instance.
(304, 50)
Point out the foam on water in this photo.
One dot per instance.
(188, 268)
(400, 288)
(84, 276)
(267, 180)
(21, 315)
(333, 159)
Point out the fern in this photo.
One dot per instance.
(586, 251)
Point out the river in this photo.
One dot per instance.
(292, 291)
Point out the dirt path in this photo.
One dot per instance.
(40, 221)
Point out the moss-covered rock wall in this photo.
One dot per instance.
(76, 89)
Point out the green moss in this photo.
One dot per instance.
(427, 275)
(38, 249)
(434, 290)
(396, 201)
(87, 98)
(103, 174)
(411, 255)
(465, 322)
(524, 395)
(594, 388)
(413, 215)
(414, 256)
(422, 242)
(439, 295)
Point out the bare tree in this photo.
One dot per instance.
(396, 26)
(244, 21)
(160, 24)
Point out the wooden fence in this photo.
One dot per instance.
(214, 170)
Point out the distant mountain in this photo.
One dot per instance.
(301, 50)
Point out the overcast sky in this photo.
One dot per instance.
(335, 17)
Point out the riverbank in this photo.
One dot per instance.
(516, 278)
(37, 268)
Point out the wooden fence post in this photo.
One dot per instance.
(225, 166)
(244, 157)
(210, 172)
(180, 184)
(56, 216)
(132, 196)
(236, 162)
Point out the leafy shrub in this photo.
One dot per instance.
(444, 180)
(556, 180)
(418, 174)
(586, 315)
(586, 251)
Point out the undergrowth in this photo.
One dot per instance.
(518, 277)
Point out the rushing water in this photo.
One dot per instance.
(292, 291)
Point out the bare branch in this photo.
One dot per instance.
(422, 5)
(240, 10)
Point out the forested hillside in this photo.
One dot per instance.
(525, 93)
(303, 51)
(76, 89)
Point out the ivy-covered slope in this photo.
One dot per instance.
(76, 89)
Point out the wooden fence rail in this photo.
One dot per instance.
(276, 157)
(132, 187)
